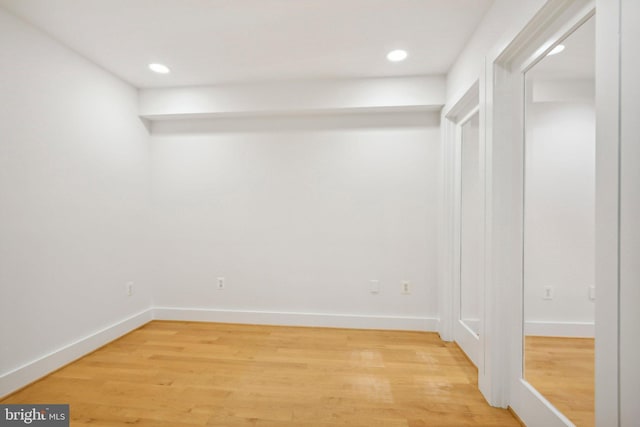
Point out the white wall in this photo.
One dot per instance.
(73, 185)
(298, 214)
(559, 222)
(295, 97)
(497, 29)
(316, 207)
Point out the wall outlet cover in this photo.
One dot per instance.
(374, 286)
(406, 287)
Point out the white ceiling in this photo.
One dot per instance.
(220, 41)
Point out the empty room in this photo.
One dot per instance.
(394, 213)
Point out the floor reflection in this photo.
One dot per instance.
(562, 370)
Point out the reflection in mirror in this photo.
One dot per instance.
(470, 226)
(559, 226)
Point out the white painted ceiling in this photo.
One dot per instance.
(221, 41)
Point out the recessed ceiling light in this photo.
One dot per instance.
(397, 55)
(556, 50)
(159, 68)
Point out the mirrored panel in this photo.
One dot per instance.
(559, 226)
(471, 206)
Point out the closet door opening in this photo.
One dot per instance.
(468, 226)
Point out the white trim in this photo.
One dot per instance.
(506, 150)
(470, 341)
(36, 369)
(472, 325)
(445, 231)
(560, 329)
(475, 110)
(608, 140)
(462, 106)
(541, 412)
(558, 37)
(405, 323)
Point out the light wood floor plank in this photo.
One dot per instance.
(207, 374)
(562, 370)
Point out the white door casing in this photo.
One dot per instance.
(505, 171)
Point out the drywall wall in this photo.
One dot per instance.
(497, 29)
(298, 214)
(559, 222)
(295, 97)
(73, 185)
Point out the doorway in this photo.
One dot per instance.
(468, 226)
(543, 170)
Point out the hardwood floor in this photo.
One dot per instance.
(207, 374)
(562, 370)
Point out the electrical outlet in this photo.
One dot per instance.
(220, 283)
(406, 287)
(548, 293)
(129, 289)
(374, 286)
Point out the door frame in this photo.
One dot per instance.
(463, 335)
(452, 328)
(553, 23)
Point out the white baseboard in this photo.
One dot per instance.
(36, 369)
(473, 324)
(560, 329)
(31, 371)
(297, 319)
